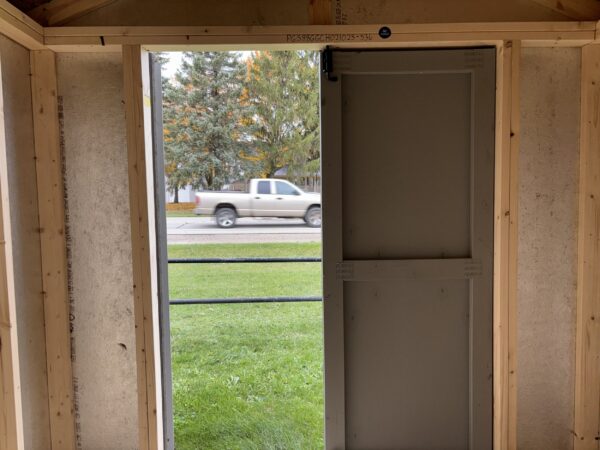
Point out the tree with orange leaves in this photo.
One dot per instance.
(283, 88)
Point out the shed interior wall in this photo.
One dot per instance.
(90, 85)
(547, 256)
(91, 91)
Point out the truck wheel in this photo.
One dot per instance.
(313, 217)
(226, 217)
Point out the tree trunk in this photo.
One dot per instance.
(176, 196)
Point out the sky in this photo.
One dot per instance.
(175, 58)
(171, 67)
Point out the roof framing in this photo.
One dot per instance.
(19, 27)
(574, 9)
(24, 30)
(59, 12)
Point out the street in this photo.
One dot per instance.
(203, 230)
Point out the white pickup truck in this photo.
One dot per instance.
(266, 197)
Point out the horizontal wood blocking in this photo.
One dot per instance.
(417, 269)
(530, 33)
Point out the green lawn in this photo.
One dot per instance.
(247, 376)
(181, 213)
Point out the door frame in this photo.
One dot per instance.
(505, 226)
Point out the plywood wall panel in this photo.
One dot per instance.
(91, 91)
(207, 12)
(16, 88)
(297, 12)
(440, 11)
(549, 157)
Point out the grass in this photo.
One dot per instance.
(181, 213)
(247, 376)
(182, 209)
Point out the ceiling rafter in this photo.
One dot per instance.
(59, 12)
(574, 9)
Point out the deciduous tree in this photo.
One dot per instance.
(283, 87)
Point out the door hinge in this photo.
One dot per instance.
(327, 64)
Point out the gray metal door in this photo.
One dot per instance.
(408, 177)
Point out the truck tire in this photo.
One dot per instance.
(313, 217)
(226, 217)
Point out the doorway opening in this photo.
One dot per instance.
(240, 161)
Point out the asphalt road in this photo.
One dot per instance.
(204, 230)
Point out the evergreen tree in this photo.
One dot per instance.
(283, 87)
(207, 122)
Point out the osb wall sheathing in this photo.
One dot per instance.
(22, 185)
(296, 12)
(91, 92)
(547, 257)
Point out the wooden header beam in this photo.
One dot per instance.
(541, 34)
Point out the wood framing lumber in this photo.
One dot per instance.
(141, 253)
(59, 12)
(320, 12)
(11, 414)
(529, 33)
(505, 245)
(515, 121)
(53, 248)
(587, 354)
(574, 9)
(19, 27)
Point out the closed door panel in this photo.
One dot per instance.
(397, 176)
(407, 365)
(408, 176)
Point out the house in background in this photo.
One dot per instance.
(184, 195)
(308, 182)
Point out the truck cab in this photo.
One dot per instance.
(266, 197)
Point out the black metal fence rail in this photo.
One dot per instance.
(239, 300)
(220, 301)
(241, 260)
